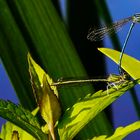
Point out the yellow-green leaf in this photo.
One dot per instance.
(86, 109)
(46, 95)
(129, 64)
(37, 72)
(49, 106)
(12, 132)
(121, 132)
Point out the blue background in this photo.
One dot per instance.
(123, 109)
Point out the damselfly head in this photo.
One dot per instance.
(136, 18)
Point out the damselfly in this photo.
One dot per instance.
(112, 80)
(99, 34)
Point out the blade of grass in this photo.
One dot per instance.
(13, 52)
(52, 45)
(129, 64)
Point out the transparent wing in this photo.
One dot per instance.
(99, 34)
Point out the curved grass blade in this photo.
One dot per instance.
(13, 51)
(129, 64)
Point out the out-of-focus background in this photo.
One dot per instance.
(123, 110)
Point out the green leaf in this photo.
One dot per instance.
(36, 78)
(129, 64)
(45, 95)
(49, 107)
(85, 110)
(121, 132)
(22, 118)
(12, 132)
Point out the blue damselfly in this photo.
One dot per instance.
(99, 34)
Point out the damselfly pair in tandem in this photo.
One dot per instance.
(99, 34)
